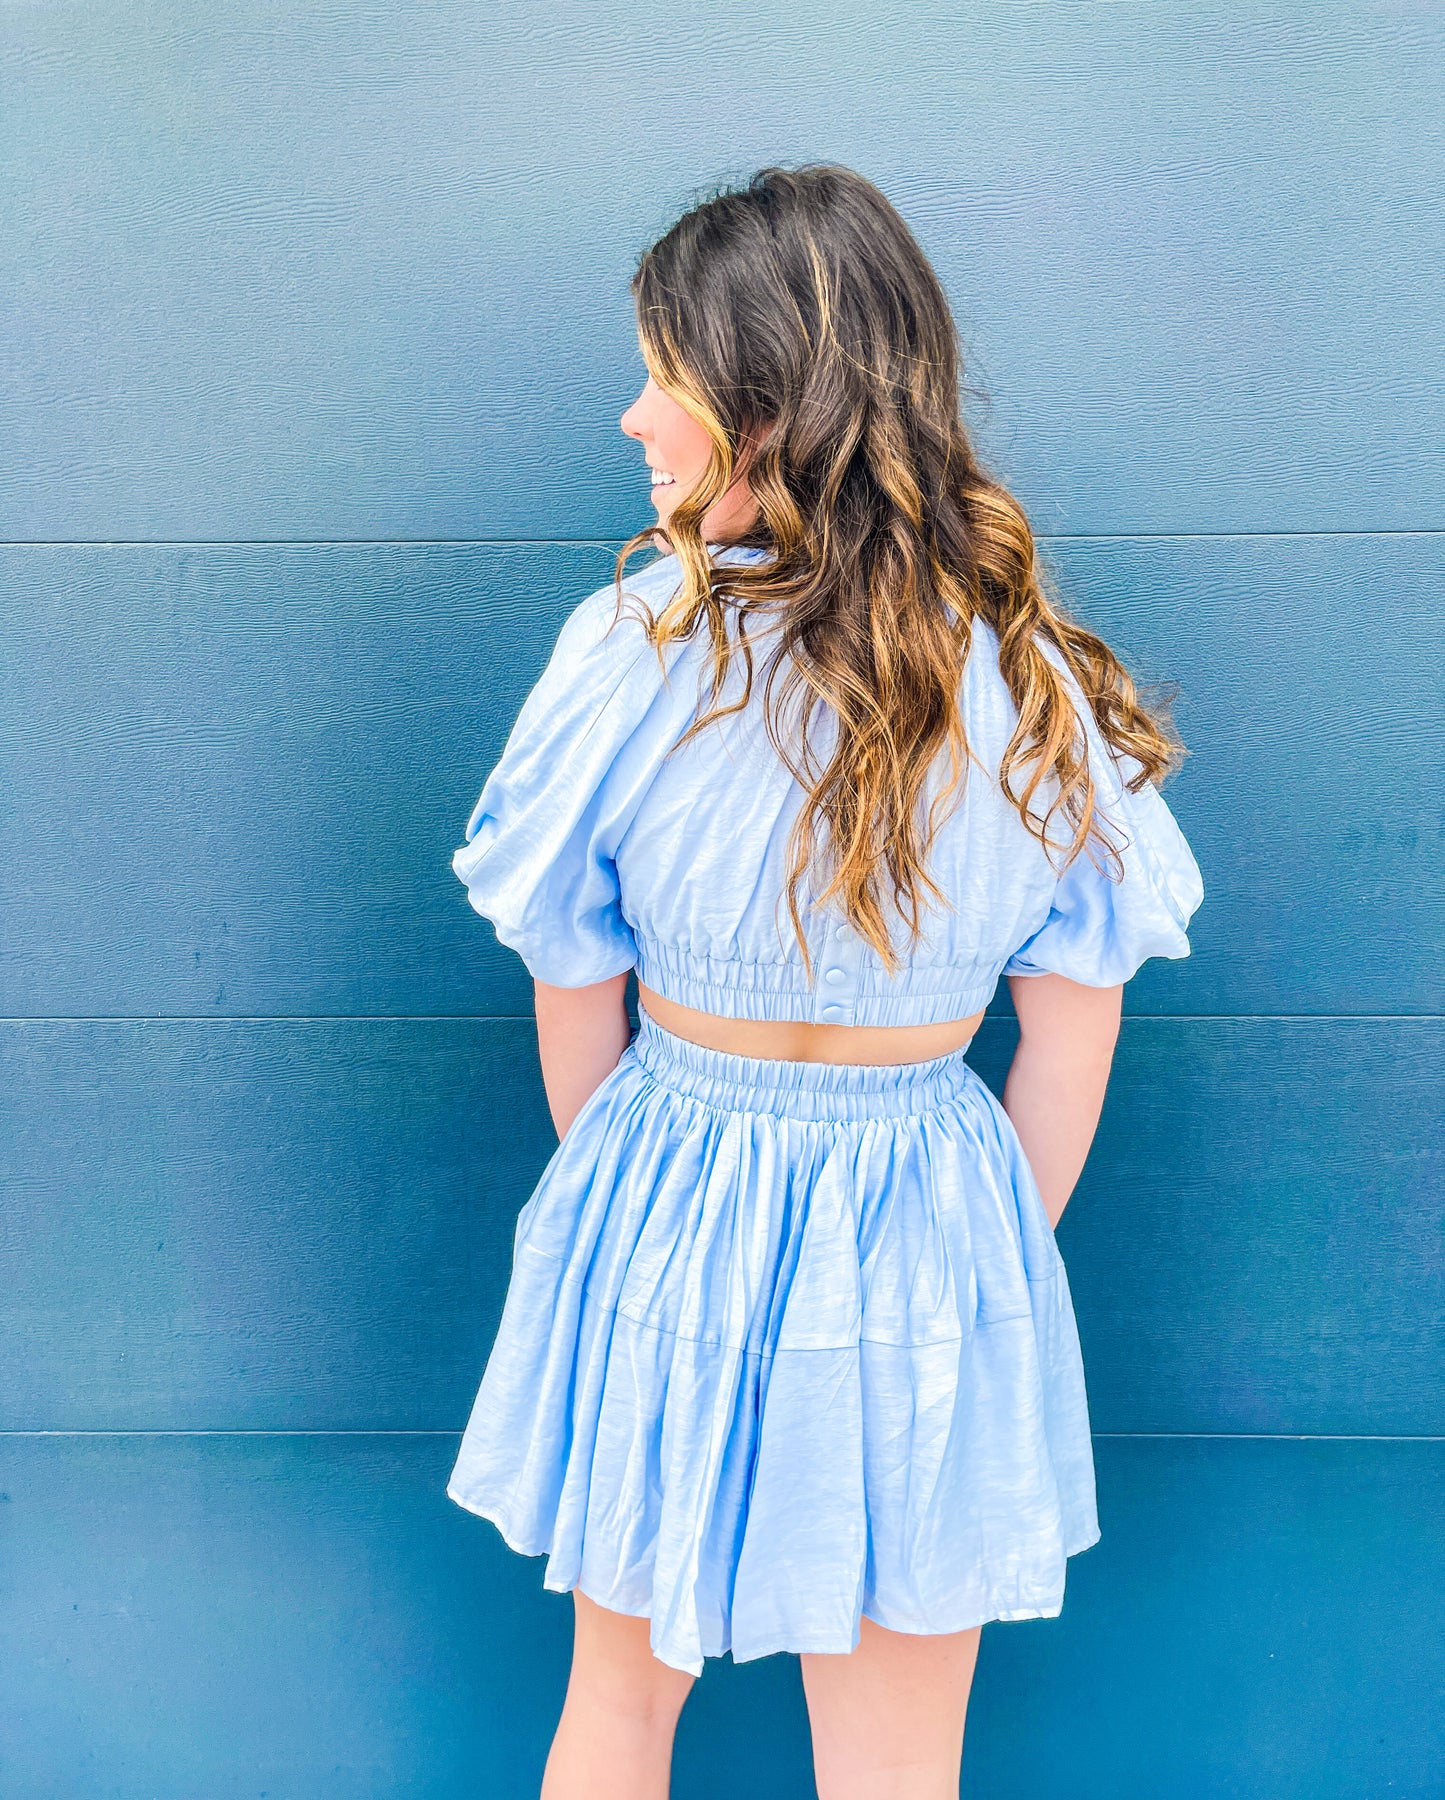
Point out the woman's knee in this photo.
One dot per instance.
(613, 1668)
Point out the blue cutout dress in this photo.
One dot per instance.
(784, 1343)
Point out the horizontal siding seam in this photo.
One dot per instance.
(524, 543)
(1416, 1018)
(1222, 1437)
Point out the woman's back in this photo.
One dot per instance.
(600, 844)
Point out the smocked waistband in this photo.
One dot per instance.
(844, 994)
(804, 1090)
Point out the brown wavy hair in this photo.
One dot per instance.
(798, 321)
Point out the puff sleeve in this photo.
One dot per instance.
(1102, 926)
(541, 841)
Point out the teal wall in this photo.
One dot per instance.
(315, 332)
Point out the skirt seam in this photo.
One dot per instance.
(570, 1277)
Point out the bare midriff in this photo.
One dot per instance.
(800, 1040)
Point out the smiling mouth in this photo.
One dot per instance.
(661, 478)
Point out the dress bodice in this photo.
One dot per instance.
(593, 850)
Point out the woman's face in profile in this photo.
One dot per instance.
(677, 451)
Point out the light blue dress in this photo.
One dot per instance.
(784, 1343)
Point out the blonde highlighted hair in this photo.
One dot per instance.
(799, 323)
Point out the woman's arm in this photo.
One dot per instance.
(581, 1032)
(1055, 1088)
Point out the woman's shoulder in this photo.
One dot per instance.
(986, 685)
(610, 627)
(612, 621)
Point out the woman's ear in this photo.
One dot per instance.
(752, 440)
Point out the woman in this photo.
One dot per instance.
(788, 1359)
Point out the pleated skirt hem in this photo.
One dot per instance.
(799, 1642)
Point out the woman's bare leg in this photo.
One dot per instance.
(614, 1740)
(887, 1720)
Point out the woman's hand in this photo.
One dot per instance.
(1055, 1088)
(581, 1033)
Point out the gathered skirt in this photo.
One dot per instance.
(785, 1344)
